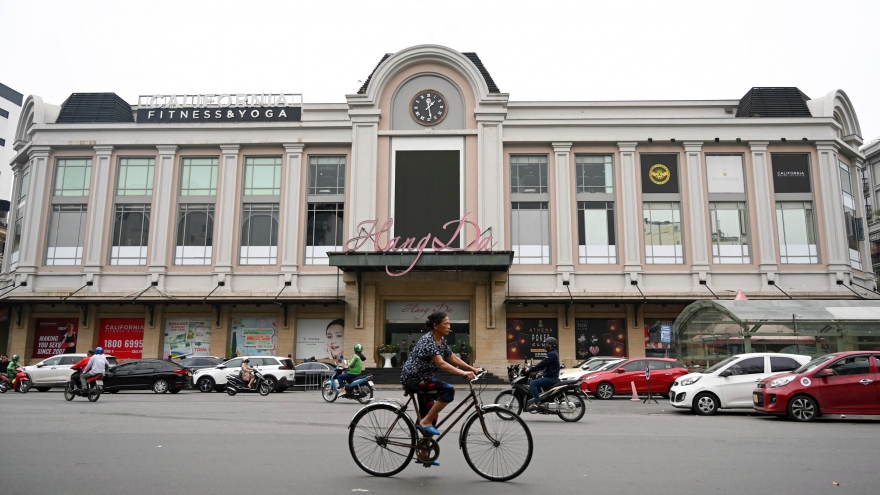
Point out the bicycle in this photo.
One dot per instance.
(496, 444)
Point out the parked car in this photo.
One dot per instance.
(195, 363)
(279, 372)
(313, 374)
(729, 384)
(55, 371)
(590, 365)
(146, 374)
(839, 383)
(617, 379)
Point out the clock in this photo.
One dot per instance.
(428, 107)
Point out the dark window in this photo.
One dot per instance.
(660, 365)
(52, 361)
(112, 361)
(68, 361)
(2, 142)
(4, 113)
(234, 363)
(127, 367)
(287, 363)
(147, 365)
(678, 365)
(748, 366)
(417, 177)
(791, 173)
(188, 362)
(634, 366)
(853, 365)
(131, 228)
(195, 235)
(779, 363)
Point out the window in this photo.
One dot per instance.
(16, 234)
(749, 366)
(131, 227)
(23, 184)
(135, 177)
(195, 234)
(52, 361)
(73, 176)
(530, 232)
(68, 361)
(528, 174)
(635, 366)
(779, 363)
(594, 174)
(198, 176)
(846, 185)
(854, 226)
(325, 208)
(596, 239)
(659, 365)
(234, 363)
(797, 233)
(147, 366)
(663, 238)
(729, 223)
(259, 234)
(262, 176)
(67, 228)
(853, 365)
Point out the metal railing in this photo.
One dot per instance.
(313, 381)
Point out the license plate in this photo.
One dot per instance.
(371, 383)
(755, 398)
(100, 383)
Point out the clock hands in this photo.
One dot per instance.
(428, 108)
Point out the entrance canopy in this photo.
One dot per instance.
(438, 260)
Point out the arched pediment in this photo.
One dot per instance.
(837, 104)
(34, 111)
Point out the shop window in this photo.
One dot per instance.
(131, 228)
(663, 236)
(594, 174)
(259, 234)
(67, 228)
(195, 234)
(528, 174)
(73, 176)
(596, 239)
(136, 177)
(325, 208)
(797, 233)
(730, 239)
(262, 176)
(530, 232)
(198, 176)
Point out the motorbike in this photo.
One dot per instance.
(22, 382)
(360, 389)
(5, 383)
(562, 399)
(235, 384)
(94, 389)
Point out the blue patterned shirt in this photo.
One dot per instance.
(421, 366)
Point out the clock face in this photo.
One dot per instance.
(428, 107)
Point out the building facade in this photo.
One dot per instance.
(214, 224)
(871, 189)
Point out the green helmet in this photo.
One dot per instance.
(358, 348)
(15, 357)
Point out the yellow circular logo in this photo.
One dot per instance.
(659, 174)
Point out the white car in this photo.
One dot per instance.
(729, 384)
(278, 371)
(589, 366)
(55, 371)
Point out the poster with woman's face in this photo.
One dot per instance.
(55, 336)
(321, 338)
(599, 337)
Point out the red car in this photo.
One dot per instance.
(839, 383)
(617, 379)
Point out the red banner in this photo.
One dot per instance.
(55, 336)
(122, 337)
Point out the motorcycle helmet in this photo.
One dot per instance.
(358, 348)
(551, 341)
(15, 357)
(99, 350)
(246, 360)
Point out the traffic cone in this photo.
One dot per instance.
(635, 397)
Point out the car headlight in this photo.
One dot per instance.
(781, 382)
(690, 380)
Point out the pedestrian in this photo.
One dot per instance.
(403, 354)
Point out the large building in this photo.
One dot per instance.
(255, 224)
(871, 189)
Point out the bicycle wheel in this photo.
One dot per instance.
(577, 413)
(505, 458)
(381, 440)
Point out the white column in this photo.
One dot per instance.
(100, 195)
(34, 215)
(564, 240)
(292, 193)
(490, 167)
(224, 224)
(364, 156)
(630, 210)
(163, 212)
(697, 207)
(764, 210)
(833, 226)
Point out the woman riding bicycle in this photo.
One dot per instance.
(429, 355)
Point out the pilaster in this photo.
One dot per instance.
(364, 156)
(697, 207)
(861, 212)
(224, 225)
(10, 219)
(100, 195)
(764, 244)
(163, 211)
(629, 208)
(290, 243)
(490, 191)
(564, 240)
(836, 245)
(34, 210)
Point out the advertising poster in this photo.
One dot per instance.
(599, 337)
(791, 173)
(654, 332)
(321, 338)
(122, 337)
(659, 173)
(187, 337)
(55, 336)
(254, 336)
(525, 337)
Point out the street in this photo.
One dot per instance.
(193, 443)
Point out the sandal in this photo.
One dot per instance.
(427, 429)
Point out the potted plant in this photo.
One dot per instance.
(387, 351)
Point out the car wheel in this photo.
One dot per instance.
(280, 389)
(705, 404)
(160, 386)
(205, 384)
(271, 382)
(803, 408)
(174, 391)
(605, 391)
(43, 389)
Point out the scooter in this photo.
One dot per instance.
(235, 384)
(22, 382)
(94, 389)
(563, 398)
(360, 390)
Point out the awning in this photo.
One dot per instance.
(428, 261)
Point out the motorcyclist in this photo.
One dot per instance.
(77, 370)
(10, 368)
(97, 365)
(247, 372)
(550, 365)
(355, 366)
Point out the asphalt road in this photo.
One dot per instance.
(192, 443)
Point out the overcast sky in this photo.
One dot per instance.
(535, 50)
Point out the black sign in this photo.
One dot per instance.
(525, 337)
(791, 173)
(226, 114)
(599, 337)
(659, 173)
